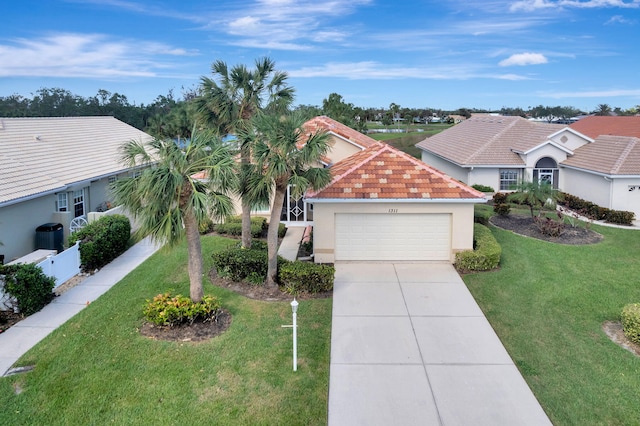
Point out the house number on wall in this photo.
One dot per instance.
(393, 210)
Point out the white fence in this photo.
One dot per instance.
(61, 267)
(64, 265)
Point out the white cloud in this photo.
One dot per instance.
(619, 19)
(528, 5)
(84, 56)
(521, 59)
(513, 77)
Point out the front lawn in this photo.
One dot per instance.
(97, 368)
(548, 303)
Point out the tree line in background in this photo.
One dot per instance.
(171, 116)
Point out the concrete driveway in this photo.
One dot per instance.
(410, 346)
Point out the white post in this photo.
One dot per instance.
(294, 308)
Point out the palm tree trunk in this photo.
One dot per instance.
(245, 153)
(272, 237)
(194, 251)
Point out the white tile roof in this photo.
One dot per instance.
(39, 155)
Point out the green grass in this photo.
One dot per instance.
(548, 302)
(406, 141)
(97, 368)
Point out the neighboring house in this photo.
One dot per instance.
(587, 159)
(344, 142)
(384, 205)
(53, 170)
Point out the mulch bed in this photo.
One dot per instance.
(523, 225)
(196, 332)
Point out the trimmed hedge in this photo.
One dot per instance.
(484, 256)
(304, 277)
(631, 322)
(244, 264)
(482, 188)
(594, 211)
(102, 241)
(482, 213)
(31, 288)
(233, 226)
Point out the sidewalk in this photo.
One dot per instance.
(17, 340)
(291, 242)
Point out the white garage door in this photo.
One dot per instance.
(393, 237)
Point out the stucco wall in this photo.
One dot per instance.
(446, 167)
(623, 198)
(588, 186)
(485, 176)
(324, 223)
(18, 223)
(340, 149)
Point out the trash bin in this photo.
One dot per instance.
(50, 236)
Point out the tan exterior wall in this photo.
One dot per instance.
(485, 176)
(587, 186)
(446, 167)
(324, 223)
(340, 149)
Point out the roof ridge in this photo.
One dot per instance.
(624, 154)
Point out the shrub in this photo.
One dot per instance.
(482, 188)
(170, 311)
(206, 226)
(548, 226)
(233, 226)
(484, 256)
(31, 288)
(500, 198)
(620, 217)
(304, 277)
(282, 230)
(594, 211)
(631, 322)
(482, 213)
(502, 209)
(240, 264)
(102, 241)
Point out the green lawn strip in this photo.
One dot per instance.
(97, 368)
(548, 302)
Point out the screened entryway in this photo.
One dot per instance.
(546, 171)
(295, 209)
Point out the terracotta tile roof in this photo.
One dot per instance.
(611, 155)
(345, 132)
(383, 172)
(489, 140)
(44, 154)
(594, 126)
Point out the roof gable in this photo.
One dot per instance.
(383, 172)
(46, 154)
(489, 140)
(340, 130)
(594, 126)
(610, 155)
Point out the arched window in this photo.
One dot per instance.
(546, 170)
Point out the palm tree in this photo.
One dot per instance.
(229, 101)
(283, 154)
(535, 195)
(168, 201)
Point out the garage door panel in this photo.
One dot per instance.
(393, 237)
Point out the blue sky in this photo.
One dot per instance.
(438, 54)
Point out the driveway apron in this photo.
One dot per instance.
(410, 346)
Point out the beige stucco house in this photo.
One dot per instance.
(53, 170)
(384, 205)
(589, 159)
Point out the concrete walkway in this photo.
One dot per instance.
(17, 340)
(410, 346)
(291, 242)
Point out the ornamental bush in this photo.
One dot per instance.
(482, 213)
(239, 264)
(102, 241)
(304, 277)
(484, 256)
(631, 322)
(169, 310)
(482, 188)
(233, 226)
(31, 288)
